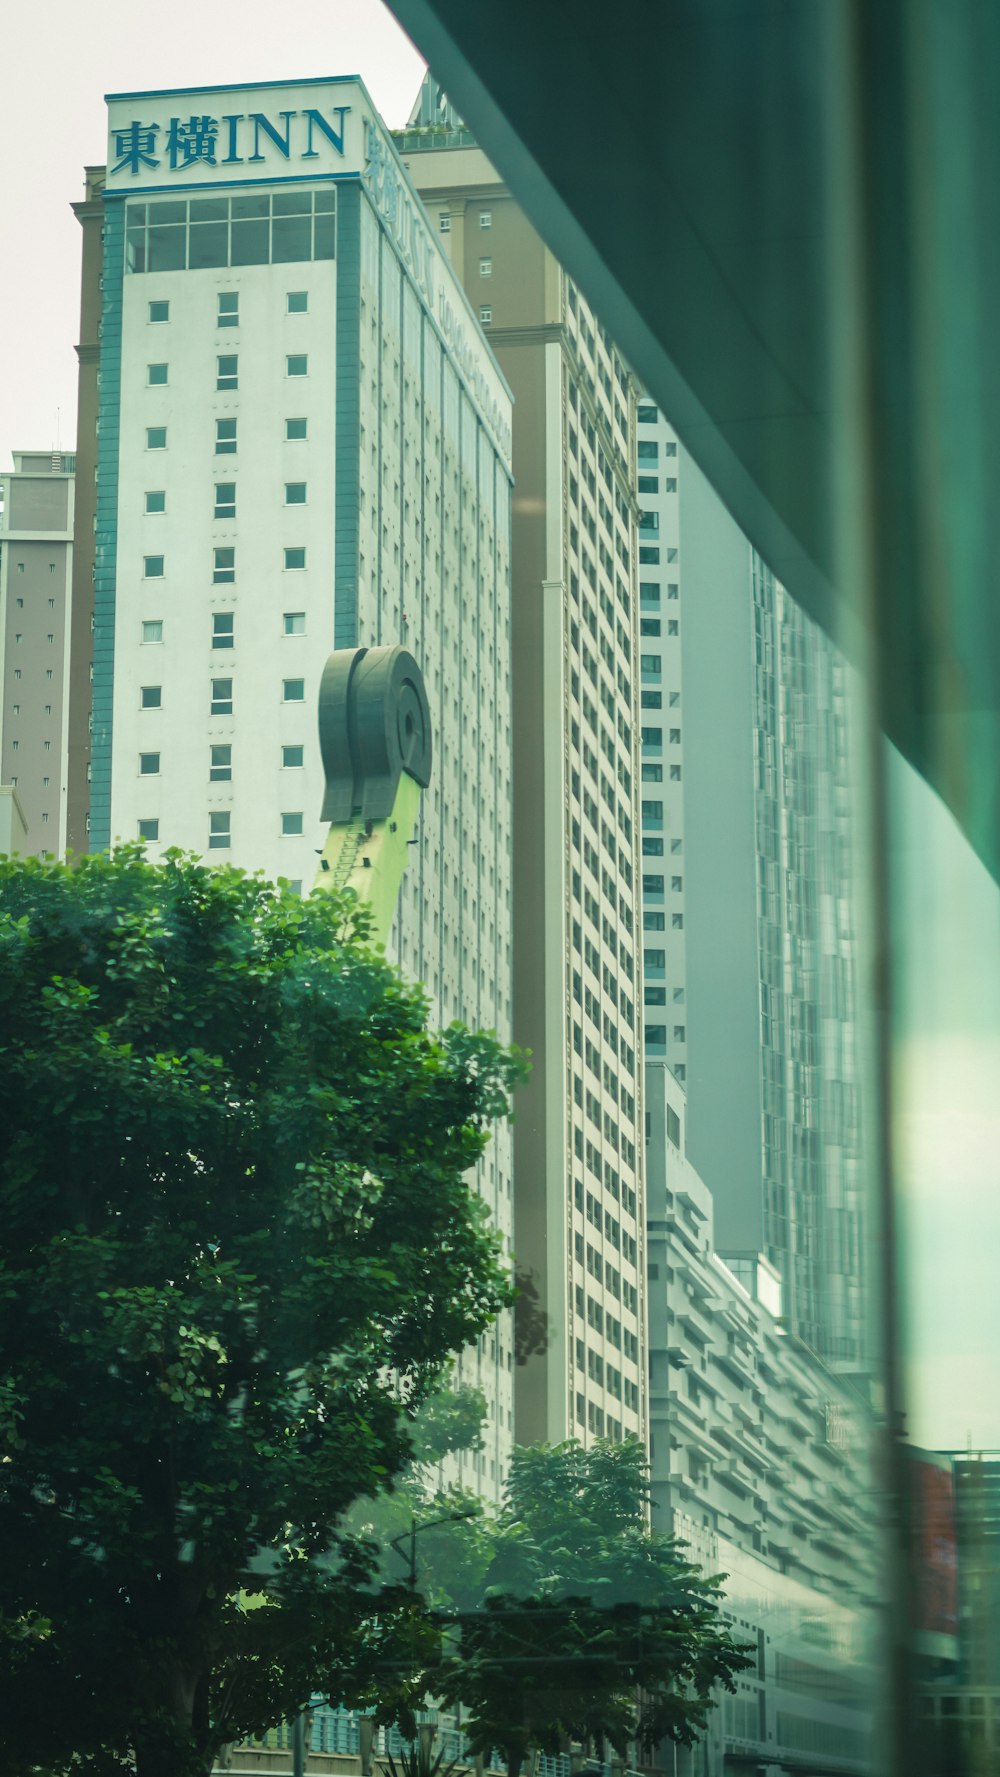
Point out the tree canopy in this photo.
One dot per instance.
(561, 1617)
(239, 1245)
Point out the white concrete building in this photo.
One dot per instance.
(36, 573)
(304, 443)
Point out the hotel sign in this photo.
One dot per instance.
(216, 141)
(156, 140)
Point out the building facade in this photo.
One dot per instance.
(36, 573)
(760, 1466)
(303, 443)
(579, 1187)
(750, 725)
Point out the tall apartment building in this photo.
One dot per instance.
(36, 568)
(303, 443)
(579, 1190)
(749, 724)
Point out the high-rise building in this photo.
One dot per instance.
(749, 730)
(36, 566)
(304, 443)
(579, 1191)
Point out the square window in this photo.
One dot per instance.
(673, 626)
(296, 429)
(486, 268)
(298, 302)
(223, 566)
(648, 555)
(292, 758)
(151, 697)
(485, 314)
(227, 371)
(295, 493)
(220, 768)
(152, 630)
(223, 623)
(291, 824)
(149, 764)
(486, 218)
(649, 484)
(293, 623)
(293, 690)
(297, 364)
(159, 311)
(156, 437)
(646, 415)
(222, 697)
(225, 499)
(152, 567)
(295, 558)
(229, 309)
(156, 375)
(149, 830)
(219, 831)
(225, 438)
(156, 500)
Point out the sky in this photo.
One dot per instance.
(59, 61)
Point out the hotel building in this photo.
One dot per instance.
(303, 443)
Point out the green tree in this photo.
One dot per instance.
(584, 1625)
(238, 1248)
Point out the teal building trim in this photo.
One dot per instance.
(106, 543)
(348, 399)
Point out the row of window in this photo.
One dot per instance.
(292, 826)
(224, 505)
(293, 623)
(223, 565)
(444, 220)
(227, 370)
(228, 307)
(221, 701)
(207, 233)
(220, 769)
(226, 435)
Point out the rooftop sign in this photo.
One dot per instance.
(235, 133)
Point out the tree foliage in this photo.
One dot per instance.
(563, 1618)
(238, 1248)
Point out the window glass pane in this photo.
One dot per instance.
(293, 690)
(324, 237)
(295, 493)
(295, 429)
(291, 757)
(149, 829)
(159, 311)
(295, 623)
(298, 302)
(156, 437)
(291, 203)
(166, 249)
(151, 697)
(249, 242)
(208, 245)
(291, 823)
(295, 558)
(152, 630)
(156, 375)
(291, 238)
(297, 364)
(135, 249)
(156, 501)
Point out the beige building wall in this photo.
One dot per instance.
(90, 214)
(36, 553)
(578, 1138)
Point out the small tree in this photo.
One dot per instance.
(587, 1627)
(238, 1247)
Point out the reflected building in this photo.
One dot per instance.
(759, 1465)
(750, 911)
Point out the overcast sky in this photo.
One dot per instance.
(59, 60)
